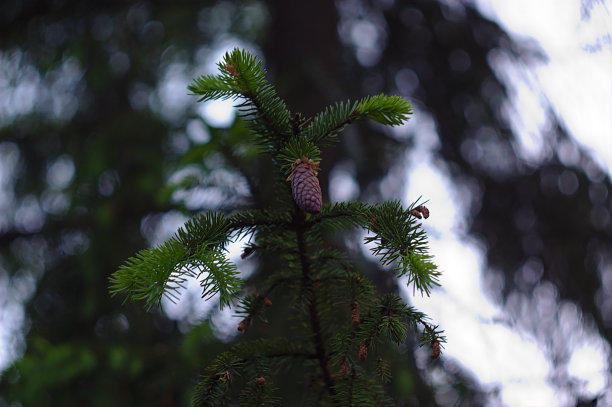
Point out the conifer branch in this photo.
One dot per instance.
(296, 148)
(326, 125)
(351, 387)
(400, 240)
(387, 110)
(214, 387)
(341, 216)
(243, 77)
(253, 306)
(327, 285)
(163, 271)
(245, 223)
(315, 324)
(361, 390)
(196, 251)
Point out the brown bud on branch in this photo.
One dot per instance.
(231, 69)
(363, 350)
(344, 367)
(355, 313)
(435, 349)
(244, 325)
(420, 210)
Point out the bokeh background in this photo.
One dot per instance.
(103, 152)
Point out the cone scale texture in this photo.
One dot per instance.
(305, 186)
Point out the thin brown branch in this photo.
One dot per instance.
(354, 115)
(252, 96)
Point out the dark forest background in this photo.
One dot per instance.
(96, 130)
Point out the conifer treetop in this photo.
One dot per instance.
(242, 78)
(325, 287)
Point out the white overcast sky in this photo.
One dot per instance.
(577, 83)
(578, 86)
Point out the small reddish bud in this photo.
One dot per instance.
(363, 350)
(244, 325)
(227, 376)
(231, 69)
(260, 381)
(420, 210)
(247, 252)
(267, 302)
(343, 367)
(435, 349)
(355, 313)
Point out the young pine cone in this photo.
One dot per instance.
(305, 185)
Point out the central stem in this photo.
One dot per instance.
(315, 323)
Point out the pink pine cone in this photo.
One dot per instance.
(305, 187)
